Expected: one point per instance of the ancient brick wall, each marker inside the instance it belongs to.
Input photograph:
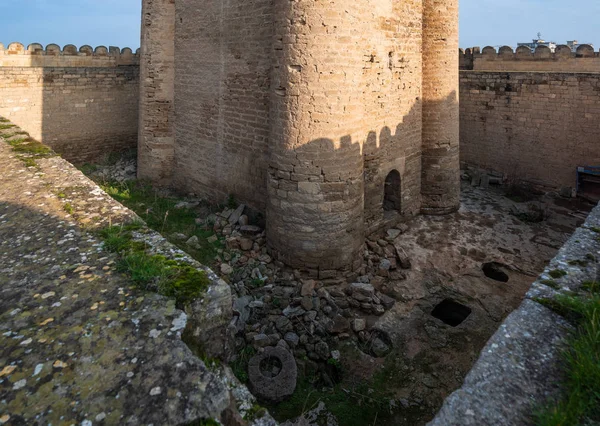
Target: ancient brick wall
(223, 64)
(346, 113)
(83, 103)
(312, 113)
(536, 126)
(156, 145)
(440, 185)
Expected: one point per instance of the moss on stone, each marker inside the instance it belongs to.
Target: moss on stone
(557, 273)
(551, 284)
(167, 277)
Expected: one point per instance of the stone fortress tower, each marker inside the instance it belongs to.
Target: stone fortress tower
(334, 118)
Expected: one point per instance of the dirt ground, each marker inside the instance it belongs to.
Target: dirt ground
(447, 307)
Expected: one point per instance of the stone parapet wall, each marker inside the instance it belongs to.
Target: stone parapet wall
(533, 126)
(563, 59)
(83, 106)
(35, 55)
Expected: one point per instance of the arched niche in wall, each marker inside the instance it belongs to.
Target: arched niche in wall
(392, 197)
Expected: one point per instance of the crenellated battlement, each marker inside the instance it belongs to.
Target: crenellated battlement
(563, 59)
(35, 55)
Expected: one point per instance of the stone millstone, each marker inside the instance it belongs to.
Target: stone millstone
(278, 388)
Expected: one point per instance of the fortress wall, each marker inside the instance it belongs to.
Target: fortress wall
(223, 63)
(156, 145)
(83, 103)
(440, 184)
(347, 79)
(391, 92)
(536, 126)
(524, 59)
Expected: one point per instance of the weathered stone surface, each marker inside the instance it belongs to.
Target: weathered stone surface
(363, 289)
(521, 366)
(518, 369)
(210, 317)
(281, 385)
(77, 341)
(403, 258)
(237, 213)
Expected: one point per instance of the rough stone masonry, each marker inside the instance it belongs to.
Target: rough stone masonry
(332, 118)
(81, 102)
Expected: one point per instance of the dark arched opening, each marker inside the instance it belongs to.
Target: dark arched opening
(391, 198)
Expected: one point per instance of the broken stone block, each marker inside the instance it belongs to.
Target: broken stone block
(403, 258)
(246, 244)
(193, 242)
(237, 213)
(359, 324)
(250, 230)
(308, 287)
(363, 289)
(226, 269)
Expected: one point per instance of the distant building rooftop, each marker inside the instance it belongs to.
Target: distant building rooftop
(536, 42)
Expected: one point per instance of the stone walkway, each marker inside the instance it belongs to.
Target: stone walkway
(79, 345)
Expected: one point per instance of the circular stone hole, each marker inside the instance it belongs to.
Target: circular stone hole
(270, 366)
(451, 312)
(493, 270)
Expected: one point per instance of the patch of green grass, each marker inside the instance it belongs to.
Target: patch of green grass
(551, 284)
(88, 169)
(580, 401)
(582, 263)
(232, 202)
(28, 150)
(160, 214)
(67, 207)
(240, 365)
(4, 126)
(29, 146)
(255, 413)
(595, 229)
(29, 162)
(150, 272)
(256, 283)
(352, 403)
(356, 405)
(557, 273)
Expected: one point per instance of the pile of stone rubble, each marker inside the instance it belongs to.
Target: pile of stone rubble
(278, 306)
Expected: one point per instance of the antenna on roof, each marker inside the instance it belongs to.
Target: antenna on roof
(539, 36)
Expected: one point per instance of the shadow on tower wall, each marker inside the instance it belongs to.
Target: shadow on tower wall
(325, 196)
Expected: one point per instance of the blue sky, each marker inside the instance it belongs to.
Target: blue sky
(117, 22)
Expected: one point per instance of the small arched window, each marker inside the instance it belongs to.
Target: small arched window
(391, 198)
